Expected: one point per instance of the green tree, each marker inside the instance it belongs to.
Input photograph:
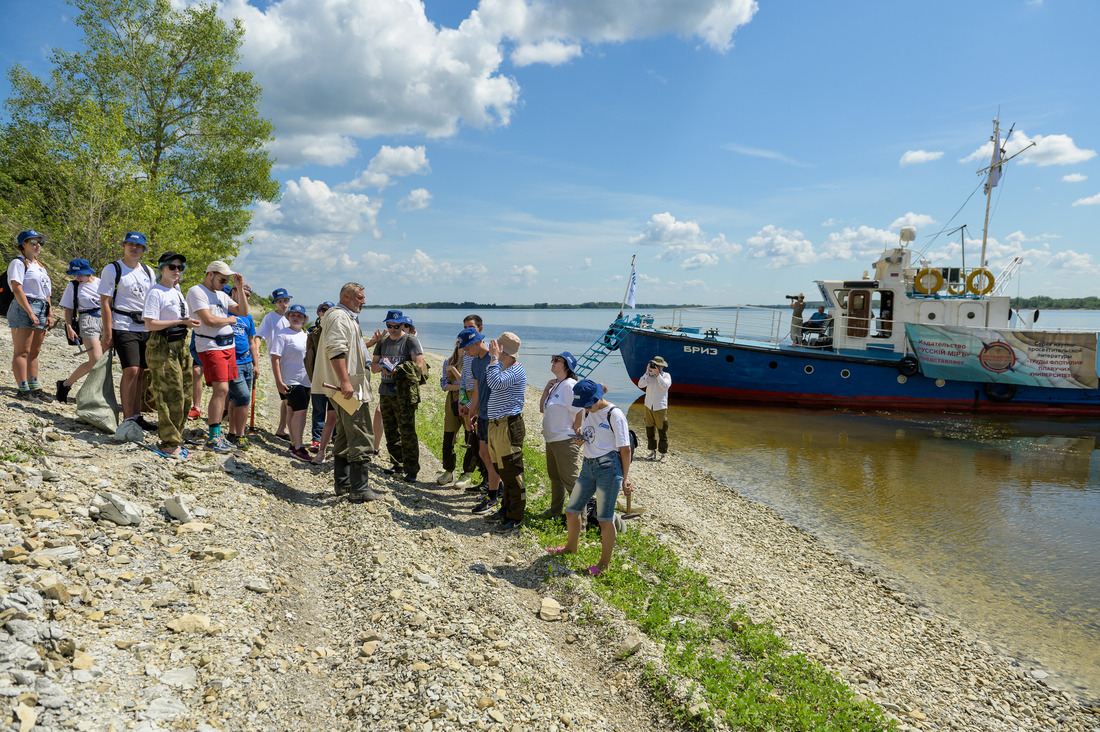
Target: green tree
(149, 127)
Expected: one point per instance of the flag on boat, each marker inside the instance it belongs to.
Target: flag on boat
(995, 164)
(630, 290)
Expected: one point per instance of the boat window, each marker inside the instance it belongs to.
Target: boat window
(882, 302)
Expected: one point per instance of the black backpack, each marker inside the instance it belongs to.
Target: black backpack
(633, 435)
(7, 297)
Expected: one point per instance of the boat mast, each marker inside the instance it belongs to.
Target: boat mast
(994, 176)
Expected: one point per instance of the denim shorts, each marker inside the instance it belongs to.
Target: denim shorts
(601, 477)
(240, 388)
(18, 318)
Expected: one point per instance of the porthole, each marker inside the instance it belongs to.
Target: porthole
(940, 383)
(845, 374)
(773, 365)
(931, 316)
(971, 315)
(729, 359)
(809, 369)
(902, 378)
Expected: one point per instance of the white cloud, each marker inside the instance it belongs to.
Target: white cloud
(829, 222)
(1048, 150)
(417, 199)
(757, 152)
(336, 70)
(1090, 201)
(421, 269)
(1077, 262)
(684, 240)
(525, 275)
(782, 248)
(390, 163)
(861, 243)
(1074, 178)
(310, 206)
(913, 219)
(912, 157)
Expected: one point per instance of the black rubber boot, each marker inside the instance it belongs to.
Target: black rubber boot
(341, 476)
(651, 438)
(360, 477)
(662, 443)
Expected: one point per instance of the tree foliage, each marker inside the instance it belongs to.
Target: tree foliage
(150, 127)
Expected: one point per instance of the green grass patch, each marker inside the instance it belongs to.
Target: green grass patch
(743, 672)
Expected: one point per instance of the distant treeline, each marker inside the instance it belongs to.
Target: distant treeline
(1056, 303)
(537, 306)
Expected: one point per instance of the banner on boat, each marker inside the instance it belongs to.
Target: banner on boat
(1028, 358)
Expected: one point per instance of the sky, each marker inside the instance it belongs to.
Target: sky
(522, 151)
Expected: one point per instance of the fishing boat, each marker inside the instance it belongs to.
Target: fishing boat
(905, 335)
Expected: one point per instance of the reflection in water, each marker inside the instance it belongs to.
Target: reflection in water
(996, 522)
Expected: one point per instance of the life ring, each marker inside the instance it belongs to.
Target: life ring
(937, 277)
(1000, 392)
(908, 366)
(956, 289)
(970, 279)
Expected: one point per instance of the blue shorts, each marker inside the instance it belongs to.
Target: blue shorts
(601, 477)
(194, 354)
(483, 428)
(18, 318)
(240, 388)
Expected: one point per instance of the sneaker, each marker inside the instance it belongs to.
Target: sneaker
(507, 526)
(301, 453)
(661, 457)
(496, 517)
(445, 478)
(219, 444)
(194, 413)
(315, 446)
(409, 477)
(26, 396)
(62, 391)
(486, 506)
(479, 488)
(40, 395)
(652, 455)
(392, 470)
(144, 424)
(238, 441)
(464, 481)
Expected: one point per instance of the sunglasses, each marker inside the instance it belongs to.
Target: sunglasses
(393, 326)
(176, 267)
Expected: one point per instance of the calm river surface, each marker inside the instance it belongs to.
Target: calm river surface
(995, 522)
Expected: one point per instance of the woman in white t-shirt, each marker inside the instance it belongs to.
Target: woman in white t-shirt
(560, 423)
(605, 438)
(82, 308)
(29, 315)
(288, 363)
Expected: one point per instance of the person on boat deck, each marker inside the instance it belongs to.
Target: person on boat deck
(798, 304)
(819, 317)
(656, 383)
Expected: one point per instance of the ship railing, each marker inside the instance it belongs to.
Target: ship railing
(740, 323)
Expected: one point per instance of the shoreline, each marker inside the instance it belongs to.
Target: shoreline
(409, 613)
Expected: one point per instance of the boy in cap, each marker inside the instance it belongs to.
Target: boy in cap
(656, 383)
(606, 449)
(82, 307)
(123, 286)
(398, 410)
(272, 323)
(215, 342)
(507, 381)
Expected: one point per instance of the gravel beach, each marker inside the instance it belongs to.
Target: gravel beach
(236, 593)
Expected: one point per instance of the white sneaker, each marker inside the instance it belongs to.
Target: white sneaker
(464, 481)
(445, 478)
(662, 457)
(652, 455)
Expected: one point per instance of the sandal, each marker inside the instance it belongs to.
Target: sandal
(555, 550)
(595, 570)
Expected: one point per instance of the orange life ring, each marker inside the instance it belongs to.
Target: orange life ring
(937, 278)
(973, 276)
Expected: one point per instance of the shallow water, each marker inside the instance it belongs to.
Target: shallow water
(995, 522)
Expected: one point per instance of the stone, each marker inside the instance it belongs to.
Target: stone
(550, 610)
(186, 677)
(485, 702)
(193, 527)
(50, 695)
(220, 552)
(65, 555)
(178, 508)
(82, 660)
(45, 514)
(496, 716)
(629, 646)
(258, 586)
(163, 709)
(114, 508)
(190, 623)
(424, 579)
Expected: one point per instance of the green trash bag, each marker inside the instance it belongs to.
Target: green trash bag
(95, 402)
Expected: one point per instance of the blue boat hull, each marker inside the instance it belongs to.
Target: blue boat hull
(711, 368)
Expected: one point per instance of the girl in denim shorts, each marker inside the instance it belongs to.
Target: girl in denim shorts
(30, 313)
(606, 451)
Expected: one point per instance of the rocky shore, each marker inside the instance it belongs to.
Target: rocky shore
(236, 593)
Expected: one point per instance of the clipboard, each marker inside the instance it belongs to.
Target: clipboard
(351, 406)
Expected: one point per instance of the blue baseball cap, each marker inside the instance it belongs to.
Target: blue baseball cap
(570, 359)
(280, 294)
(586, 392)
(28, 234)
(228, 289)
(135, 237)
(327, 304)
(297, 309)
(468, 337)
(78, 267)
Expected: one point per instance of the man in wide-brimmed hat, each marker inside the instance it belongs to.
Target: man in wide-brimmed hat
(656, 383)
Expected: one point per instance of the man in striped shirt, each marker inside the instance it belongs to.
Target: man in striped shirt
(507, 383)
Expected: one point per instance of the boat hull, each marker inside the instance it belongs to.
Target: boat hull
(709, 368)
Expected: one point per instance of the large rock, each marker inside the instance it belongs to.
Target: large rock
(117, 509)
(64, 555)
(179, 508)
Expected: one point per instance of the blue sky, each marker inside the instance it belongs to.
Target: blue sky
(517, 151)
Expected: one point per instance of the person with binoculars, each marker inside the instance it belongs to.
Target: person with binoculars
(656, 384)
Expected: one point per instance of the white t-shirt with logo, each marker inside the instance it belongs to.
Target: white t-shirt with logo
(290, 347)
(34, 278)
(133, 286)
(163, 303)
(87, 296)
(559, 412)
(604, 431)
(218, 303)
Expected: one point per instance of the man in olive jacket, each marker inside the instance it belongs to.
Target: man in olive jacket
(342, 362)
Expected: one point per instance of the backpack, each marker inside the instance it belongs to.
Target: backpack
(633, 435)
(135, 316)
(313, 339)
(7, 297)
(75, 320)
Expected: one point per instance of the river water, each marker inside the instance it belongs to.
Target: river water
(992, 521)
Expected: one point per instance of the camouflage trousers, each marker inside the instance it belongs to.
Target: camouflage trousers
(399, 426)
(170, 369)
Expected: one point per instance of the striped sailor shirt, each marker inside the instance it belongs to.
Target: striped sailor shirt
(506, 389)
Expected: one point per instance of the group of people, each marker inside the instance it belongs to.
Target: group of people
(818, 322)
(146, 318)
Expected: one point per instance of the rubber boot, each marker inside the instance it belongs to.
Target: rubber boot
(360, 491)
(650, 438)
(662, 444)
(341, 476)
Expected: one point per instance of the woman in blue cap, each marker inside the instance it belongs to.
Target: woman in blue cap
(83, 321)
(30, 313)
(288, 353)
(559, 425)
